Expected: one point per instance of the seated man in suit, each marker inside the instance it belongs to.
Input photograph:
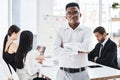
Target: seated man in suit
(105, 51)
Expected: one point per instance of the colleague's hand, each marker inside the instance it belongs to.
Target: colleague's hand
(95, 59)
(79, 52)
(40, 59)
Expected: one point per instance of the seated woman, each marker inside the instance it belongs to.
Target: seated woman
(26, 58)
(9, 46)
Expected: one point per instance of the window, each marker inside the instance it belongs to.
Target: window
(3, 20)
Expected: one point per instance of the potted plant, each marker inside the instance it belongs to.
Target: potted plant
(115, 5)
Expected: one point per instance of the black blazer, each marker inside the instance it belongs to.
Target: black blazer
(108, 54)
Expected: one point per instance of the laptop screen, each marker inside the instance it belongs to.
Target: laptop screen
(41, 49)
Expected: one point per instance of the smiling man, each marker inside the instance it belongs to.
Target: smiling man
(70, 40)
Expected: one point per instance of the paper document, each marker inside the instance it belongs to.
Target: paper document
(49, 62)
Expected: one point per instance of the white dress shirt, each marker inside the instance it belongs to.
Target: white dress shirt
(67, 44)
(31, 66)
(103, 43)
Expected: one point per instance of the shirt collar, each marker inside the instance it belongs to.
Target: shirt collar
(103, 43)
(79, 27)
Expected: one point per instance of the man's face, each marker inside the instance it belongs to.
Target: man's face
(100, 37)
(73, 15)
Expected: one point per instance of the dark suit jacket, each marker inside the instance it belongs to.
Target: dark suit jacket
(108, 54)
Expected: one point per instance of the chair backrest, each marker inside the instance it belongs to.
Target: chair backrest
(14, 74)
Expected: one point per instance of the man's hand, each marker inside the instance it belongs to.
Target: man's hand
(40, 59)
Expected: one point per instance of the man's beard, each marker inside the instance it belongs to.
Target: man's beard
(101, 41)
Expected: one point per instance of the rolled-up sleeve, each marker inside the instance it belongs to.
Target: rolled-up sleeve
(31, 64)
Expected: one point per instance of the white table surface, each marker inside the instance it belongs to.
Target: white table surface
(99, 73)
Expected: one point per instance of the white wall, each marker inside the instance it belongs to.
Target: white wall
(45, 8)
(28, 17)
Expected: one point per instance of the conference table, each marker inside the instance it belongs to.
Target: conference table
(95, 71)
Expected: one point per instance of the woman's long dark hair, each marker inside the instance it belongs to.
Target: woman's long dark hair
(25, 45)
(13, 28)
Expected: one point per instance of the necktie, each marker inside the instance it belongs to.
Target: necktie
(100, 51)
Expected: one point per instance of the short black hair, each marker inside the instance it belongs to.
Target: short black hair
(72, 4)
(100, 30)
